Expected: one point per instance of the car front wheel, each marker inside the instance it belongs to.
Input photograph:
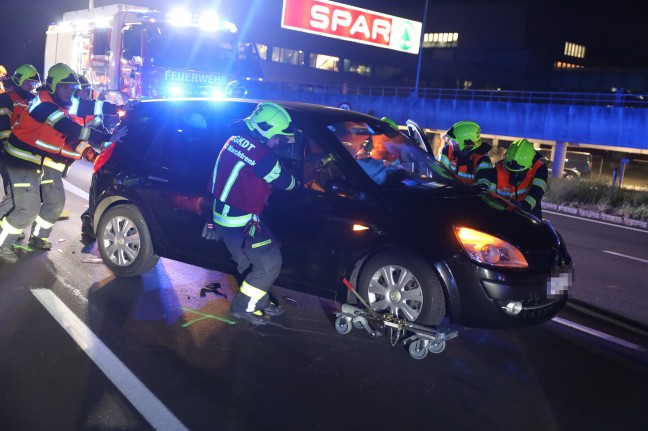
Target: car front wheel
(125, 242)
(403, 285)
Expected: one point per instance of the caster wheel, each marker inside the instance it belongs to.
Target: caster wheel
(436, 347)
(418, 349)
(342, 325)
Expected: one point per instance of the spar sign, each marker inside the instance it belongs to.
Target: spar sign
(340, 21)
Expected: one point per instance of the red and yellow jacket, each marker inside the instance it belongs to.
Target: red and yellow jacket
(12, 104)
(45, 133)
(244, 172)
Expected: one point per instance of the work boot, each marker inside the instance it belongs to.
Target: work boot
(273, 310)
(8, 255)
(41, 243)
(256, 318)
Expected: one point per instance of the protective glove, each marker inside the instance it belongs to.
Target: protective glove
(208, 232)
(89, 154)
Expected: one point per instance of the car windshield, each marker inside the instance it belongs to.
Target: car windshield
(388, 156)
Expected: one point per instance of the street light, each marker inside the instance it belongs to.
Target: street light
(420, 58)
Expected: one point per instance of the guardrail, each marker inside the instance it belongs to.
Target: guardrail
(629, 100)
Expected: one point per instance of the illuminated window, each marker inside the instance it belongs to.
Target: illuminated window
(324, 62)
(289, 56)
(262, 50)
(574, 50)
(565, 65)
(355, 67)
(440, 40)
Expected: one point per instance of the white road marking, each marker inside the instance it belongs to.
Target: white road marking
(599, 334)
(140, 397)
(625, 255)
(595, 221)
(74, 189)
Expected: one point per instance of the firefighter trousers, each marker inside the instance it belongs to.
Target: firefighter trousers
(261, 257)
(36, 196)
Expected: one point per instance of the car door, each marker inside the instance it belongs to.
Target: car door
(179, 177)
(315, 223)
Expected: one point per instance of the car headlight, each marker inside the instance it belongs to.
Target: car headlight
(485, 248)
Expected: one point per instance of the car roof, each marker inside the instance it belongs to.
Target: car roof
(327, 113)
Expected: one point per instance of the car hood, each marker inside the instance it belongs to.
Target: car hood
(473, 208)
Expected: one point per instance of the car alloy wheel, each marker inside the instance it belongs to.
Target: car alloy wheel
(124, 241)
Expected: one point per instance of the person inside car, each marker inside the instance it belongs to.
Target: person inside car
(465, 154)
(521, 176)
(245, 170)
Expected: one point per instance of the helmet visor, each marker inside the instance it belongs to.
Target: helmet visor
(514, 166)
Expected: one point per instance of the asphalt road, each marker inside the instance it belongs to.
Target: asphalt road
(611, 265)
(83, 350)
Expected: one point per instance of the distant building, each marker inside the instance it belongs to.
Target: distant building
(514, 45)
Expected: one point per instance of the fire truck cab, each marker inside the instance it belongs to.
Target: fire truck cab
(145, 53)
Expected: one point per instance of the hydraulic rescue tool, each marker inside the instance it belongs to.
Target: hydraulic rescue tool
(421, 339)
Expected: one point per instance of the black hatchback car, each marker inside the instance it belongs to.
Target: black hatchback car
(372, 207)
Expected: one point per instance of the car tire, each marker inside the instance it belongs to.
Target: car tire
(402, 284)
(124, 241)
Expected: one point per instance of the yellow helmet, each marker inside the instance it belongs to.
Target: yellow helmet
(61, 73)
(464, 136)
(519, 156)
(25, 72)
(270, 119)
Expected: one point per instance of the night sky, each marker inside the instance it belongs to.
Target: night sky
(617, 35)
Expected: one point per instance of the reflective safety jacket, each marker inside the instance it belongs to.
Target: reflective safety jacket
(12, 104)
(45, 134)
(529, 191)
(475, 171)
(244, 172)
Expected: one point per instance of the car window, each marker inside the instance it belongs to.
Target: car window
(193, 135)
(389, 157)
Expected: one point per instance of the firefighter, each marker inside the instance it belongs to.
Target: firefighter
(521, 176)
(42, 145)
(465, 154)
(12, 103)
(245, 171)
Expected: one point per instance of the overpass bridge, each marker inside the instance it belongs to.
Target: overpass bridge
(606, 121)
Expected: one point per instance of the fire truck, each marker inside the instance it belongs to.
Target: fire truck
(145, 53)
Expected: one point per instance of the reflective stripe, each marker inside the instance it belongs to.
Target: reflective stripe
(483, 165)
(293, 183)
(85, 133)
(54, 118)
(43, 223)
(54, 165)
(7, 229)
(34, 103)
(444, 159)
(5, 225)
(5, 111)
(98, 108)
(262, 243)
(253, 293)
(46, 146)
(70, 154)
(21, 185)
(231, 180)
(5, 134)
(82, 147)
(531, 201)
(227, 221)
(74, 108)
(274, 173)
(47, 182)
(22, 154)
(540, 183)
